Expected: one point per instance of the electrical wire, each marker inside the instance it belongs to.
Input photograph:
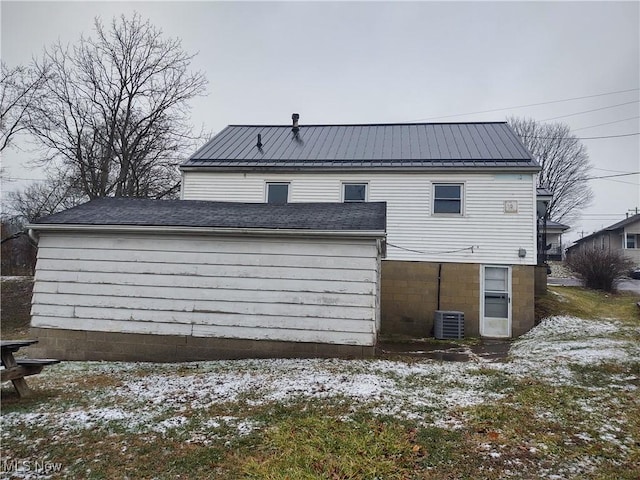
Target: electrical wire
(472, 247)
(589, 111)
(607, 123)
(524, 106)
(610, 176)
(584, 138)
(607, 170)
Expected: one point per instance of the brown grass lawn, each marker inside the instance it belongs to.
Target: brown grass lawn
(564, 406)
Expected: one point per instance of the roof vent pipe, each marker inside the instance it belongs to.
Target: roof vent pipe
(259, 144)
(295, 117)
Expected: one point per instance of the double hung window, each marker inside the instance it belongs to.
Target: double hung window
(447, 198)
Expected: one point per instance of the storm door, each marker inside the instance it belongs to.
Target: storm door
(496, 302)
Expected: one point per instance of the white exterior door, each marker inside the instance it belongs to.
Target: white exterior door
(495, 301)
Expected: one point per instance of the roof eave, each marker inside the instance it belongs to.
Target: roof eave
(225, 231)
(363, 168)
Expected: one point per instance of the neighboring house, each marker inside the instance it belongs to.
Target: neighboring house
(554, 239)
(461, 207)
(623, 236)
(170, 280)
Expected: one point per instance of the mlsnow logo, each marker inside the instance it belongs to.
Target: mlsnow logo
(34, 466)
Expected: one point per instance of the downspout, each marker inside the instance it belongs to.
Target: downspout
(33, 236)
(439, 283)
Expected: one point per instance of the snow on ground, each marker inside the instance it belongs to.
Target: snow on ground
(161, 399)
(550, 350)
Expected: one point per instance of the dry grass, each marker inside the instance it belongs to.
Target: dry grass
(528, 425)
(593, 304)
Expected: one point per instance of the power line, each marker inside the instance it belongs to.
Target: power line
(471, 248)
(524, 106)
(582, 138)
(607, 123)
(589, 111)
(621, 181)
(611, 176)
(12, 179)
(609, 136)
(607, 170)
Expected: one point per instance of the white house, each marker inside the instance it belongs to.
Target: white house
(167, 280)
(461, 207)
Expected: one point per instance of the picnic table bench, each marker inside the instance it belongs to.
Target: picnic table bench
(16, 369)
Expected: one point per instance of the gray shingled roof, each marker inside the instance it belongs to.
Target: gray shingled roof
(557, 225)
(381, 146)
(369, 216)
(624, 223)
(610, 228)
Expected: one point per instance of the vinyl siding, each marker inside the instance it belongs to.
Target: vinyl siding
(495, 235)
(299, 290)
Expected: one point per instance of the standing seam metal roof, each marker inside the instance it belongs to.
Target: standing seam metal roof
(368, 145)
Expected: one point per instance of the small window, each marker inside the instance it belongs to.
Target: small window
(632, 241)
(277, 193)
(355, 192)
(447, 198)
(602, 243)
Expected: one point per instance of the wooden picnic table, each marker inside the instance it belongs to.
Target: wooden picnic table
(16, 369)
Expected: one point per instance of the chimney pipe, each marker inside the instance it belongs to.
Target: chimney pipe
(259, 144)
(295, 117)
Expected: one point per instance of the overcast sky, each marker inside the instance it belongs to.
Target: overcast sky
(375, 62)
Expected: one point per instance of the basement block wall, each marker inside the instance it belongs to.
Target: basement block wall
(132, 347)
(409, 296)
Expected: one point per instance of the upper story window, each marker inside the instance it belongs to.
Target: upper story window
(277, 192)
(632, 240)
(354, 192)
(447, 198)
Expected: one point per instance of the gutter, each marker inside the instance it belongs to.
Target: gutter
(32, 234)
(307, 169)
(225, 231)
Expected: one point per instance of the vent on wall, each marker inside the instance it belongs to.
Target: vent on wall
(448, 325)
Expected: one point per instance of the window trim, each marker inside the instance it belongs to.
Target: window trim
(635, 241)
(267, 184)
(433, 199)
(350, 182)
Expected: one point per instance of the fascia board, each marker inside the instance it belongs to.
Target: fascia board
(257, 232)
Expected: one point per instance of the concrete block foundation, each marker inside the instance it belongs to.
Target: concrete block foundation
(133, 347)
(409, 296)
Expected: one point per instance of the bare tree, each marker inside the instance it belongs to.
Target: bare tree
(565, 165)
(115, 110)
(44, 198)
(19, 89)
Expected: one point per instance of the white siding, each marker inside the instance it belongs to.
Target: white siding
(495, 235)
(302, 290)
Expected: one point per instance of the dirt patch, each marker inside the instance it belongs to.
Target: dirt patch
(15, 308)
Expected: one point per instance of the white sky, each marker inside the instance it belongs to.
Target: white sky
(368, 62)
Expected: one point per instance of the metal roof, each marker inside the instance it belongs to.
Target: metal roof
(377, 146)
(370, 216)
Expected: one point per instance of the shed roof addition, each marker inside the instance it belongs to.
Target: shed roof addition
(370, 216)
(371, 146)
